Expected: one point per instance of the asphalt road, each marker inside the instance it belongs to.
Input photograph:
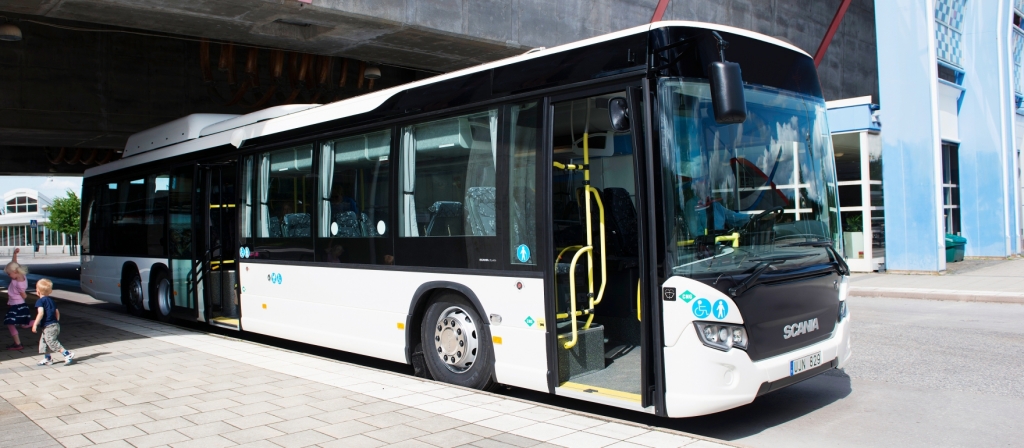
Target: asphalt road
(923, 373)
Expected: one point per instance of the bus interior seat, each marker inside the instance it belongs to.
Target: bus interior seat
(274, 225)
(348, 225)
(480, 212)
(445, 219)
(369, 229)
(296, 225)
(620, 222)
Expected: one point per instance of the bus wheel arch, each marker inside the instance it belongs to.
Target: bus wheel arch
(430, 302)
(132, 294)
(160, 292)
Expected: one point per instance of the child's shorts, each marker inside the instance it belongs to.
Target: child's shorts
(18, 315)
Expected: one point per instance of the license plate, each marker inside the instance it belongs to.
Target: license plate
(807, 362)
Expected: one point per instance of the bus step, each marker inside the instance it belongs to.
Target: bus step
(225, 322)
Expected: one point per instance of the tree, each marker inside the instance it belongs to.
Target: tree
(66, 217)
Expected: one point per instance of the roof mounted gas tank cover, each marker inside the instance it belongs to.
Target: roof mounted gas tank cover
(177, 131)
(247, 119)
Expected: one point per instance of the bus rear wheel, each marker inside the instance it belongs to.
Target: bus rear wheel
(455, 348)
(131, 294)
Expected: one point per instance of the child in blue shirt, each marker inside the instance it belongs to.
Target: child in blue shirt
(47, 318)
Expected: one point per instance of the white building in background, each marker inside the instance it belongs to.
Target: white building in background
(20, 207)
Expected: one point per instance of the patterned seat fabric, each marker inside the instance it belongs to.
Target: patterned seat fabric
(348, 225)
(480, 212)
(369, 228)
(274, 225)
(296, 225)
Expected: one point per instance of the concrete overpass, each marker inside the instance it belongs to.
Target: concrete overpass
(88, 73)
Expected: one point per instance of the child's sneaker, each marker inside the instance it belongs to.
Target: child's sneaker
(15, 347)
(69, 359)
(45, 362)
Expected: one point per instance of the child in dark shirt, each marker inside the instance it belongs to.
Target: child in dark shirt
(47, 318)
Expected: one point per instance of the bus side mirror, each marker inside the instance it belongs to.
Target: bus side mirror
(727, 92)
(618, 113)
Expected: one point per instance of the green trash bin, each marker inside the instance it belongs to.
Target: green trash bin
(955, 248)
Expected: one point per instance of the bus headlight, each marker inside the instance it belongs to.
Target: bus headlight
(842, 311)
(722, 336)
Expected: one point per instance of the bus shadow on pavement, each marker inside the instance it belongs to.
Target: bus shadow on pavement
(768, 411)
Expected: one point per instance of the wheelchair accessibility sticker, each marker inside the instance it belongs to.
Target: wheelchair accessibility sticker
(701, 308)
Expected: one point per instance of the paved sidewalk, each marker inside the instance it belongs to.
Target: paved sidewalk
(143, 384)
(971, 280)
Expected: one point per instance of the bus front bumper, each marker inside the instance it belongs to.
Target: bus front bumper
(702, 380)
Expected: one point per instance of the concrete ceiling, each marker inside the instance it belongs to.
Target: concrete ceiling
(430, 34)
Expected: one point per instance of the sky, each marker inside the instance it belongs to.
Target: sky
(52, 186)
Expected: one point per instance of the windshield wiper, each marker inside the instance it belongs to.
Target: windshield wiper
(841, 266)
(763, 264)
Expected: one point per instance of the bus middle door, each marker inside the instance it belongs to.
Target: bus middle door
(218, 253)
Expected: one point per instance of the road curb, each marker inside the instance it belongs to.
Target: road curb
(938, 294)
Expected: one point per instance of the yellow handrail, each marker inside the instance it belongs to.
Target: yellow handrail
(595, 300)
(572, 295)
(734, 237)
(557, 259)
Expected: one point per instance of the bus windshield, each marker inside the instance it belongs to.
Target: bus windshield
(739, 194)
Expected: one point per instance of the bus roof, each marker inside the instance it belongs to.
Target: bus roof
(198, 132)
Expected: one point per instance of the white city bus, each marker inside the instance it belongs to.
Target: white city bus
(630, 219)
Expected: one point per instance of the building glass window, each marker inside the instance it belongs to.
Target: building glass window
(858, 158)
(951, 187)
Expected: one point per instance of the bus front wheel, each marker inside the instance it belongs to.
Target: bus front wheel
(455, 348)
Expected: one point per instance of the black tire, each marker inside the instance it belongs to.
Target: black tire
(131, 293)
(447, 315)
(161, 296)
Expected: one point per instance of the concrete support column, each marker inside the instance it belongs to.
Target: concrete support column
(911, 151)
(988, 217)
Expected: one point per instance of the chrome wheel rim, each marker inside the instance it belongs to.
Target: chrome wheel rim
(164, 297)
(456, 339)
(135, 293)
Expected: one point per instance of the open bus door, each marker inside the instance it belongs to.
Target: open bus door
(603, 345)
(216, 262)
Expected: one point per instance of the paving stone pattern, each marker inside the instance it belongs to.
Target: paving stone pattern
(143, 384)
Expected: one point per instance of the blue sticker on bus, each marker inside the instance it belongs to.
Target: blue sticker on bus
(721, 309)
(701, 308)
(523, 253)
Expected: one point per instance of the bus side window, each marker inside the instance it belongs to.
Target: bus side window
(354, 186)
(522, 185)
(285, 193)
(447, 177)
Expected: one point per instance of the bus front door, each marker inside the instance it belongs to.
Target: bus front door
(599, 338)
(218, 227)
